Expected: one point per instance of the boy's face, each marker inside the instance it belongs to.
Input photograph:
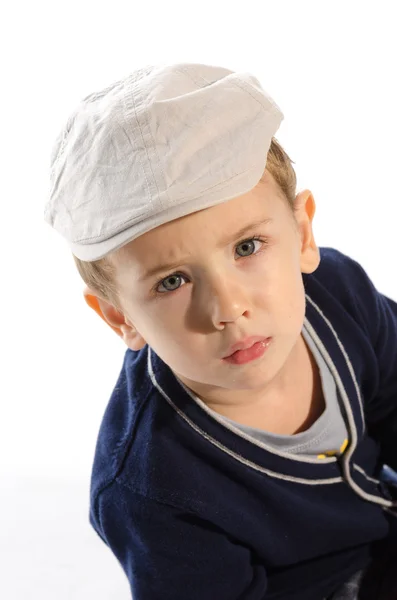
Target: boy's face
(221, 292)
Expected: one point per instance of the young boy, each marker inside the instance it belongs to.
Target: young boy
(241, 452)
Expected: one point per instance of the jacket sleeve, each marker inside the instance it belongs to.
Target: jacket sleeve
(383, 421)
(380, 317)
(170, 553)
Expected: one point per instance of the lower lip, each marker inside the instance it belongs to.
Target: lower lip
(244, 356)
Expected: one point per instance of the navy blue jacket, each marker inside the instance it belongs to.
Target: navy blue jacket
(194, 511)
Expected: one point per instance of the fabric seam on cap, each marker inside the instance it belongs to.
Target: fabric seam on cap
(241, 85)
(195, 80)
(154, 146)
(269, 107)
(134, 106)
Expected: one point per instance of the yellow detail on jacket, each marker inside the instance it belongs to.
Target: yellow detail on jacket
(333, 452)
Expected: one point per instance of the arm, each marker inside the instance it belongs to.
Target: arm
(380, 317)
(382, 423)
(170, 553)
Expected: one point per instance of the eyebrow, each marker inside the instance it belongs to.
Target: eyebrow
(224, 242)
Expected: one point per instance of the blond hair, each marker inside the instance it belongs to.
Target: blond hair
(98, 275)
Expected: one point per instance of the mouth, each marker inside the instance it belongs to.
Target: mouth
(245, 344)
(246, 355)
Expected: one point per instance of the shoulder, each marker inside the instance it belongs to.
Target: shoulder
(120, 419)
(341, 279)
(336, 267)
(139, 436)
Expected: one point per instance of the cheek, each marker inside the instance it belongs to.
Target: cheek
(164, 330)
(284, 297)
(295, 305)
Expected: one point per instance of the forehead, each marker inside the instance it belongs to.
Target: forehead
(182, 237)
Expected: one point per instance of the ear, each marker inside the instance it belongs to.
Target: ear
(93, 302)
(115, 319)
(305, 209)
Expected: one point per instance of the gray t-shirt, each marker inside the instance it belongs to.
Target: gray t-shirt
(326, 435)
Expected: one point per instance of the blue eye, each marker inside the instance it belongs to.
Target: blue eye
(176, 277)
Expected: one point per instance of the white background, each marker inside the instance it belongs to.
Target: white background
(330, 66)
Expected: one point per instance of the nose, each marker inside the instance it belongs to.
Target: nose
(227, 300)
